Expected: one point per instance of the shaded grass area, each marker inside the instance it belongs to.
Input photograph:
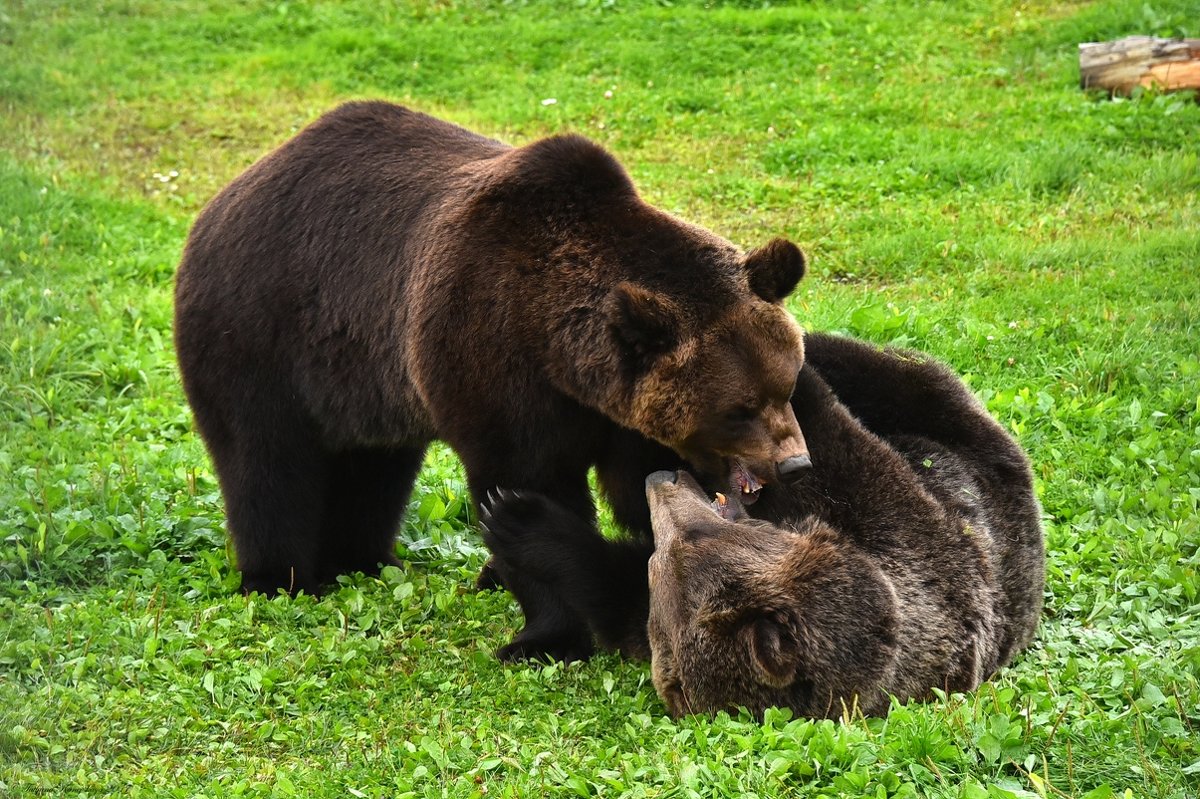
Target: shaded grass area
(957, 193)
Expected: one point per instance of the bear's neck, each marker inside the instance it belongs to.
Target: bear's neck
(583, 361)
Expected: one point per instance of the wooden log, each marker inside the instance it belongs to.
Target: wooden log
(1121, 66)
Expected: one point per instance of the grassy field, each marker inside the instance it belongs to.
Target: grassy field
(956, 192)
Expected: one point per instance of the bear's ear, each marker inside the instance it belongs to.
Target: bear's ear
(642, 320)
(774, 644)
(771, 638)
(774, 269)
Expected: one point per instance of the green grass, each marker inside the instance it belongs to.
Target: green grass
(957, 193)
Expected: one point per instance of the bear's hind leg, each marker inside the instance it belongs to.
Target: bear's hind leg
(368, 490)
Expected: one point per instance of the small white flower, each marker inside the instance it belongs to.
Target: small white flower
(550, 101)
(608, 95)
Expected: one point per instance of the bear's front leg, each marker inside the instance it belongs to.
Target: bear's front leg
(603, 582)
(553, 629)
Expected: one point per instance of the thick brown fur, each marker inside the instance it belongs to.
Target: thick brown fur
(909, 557)
(385, 278)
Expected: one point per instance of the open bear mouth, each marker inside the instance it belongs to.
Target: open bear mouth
(724, 507)
(744, 482)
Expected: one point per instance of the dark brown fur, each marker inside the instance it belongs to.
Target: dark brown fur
(909, 557)
(384, 279)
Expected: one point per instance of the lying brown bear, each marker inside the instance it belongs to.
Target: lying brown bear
(385, 278)
(909, 557)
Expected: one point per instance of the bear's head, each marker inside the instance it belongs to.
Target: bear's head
(747, 614)
(716, 387)
(664, 327)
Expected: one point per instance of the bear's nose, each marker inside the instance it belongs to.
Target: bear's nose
(658, 478)
(791, 469)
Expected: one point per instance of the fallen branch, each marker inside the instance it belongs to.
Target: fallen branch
(1123, 65)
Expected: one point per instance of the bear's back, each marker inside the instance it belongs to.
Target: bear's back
(959, 453)
(358, 179)
(300, 268)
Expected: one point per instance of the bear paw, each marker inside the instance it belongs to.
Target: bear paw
(532, 534)
(276, 582)
(508, 513)
(562, 646)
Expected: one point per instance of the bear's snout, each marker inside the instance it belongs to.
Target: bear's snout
(791, 469)
(660, 477)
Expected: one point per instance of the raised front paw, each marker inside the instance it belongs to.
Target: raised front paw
(530, 533)
(508, 516)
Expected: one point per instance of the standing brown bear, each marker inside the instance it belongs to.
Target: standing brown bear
(385, 278)
(909, 557)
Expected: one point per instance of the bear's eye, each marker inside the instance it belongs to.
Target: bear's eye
(787, 398)
(741, 414)
(699, 533)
